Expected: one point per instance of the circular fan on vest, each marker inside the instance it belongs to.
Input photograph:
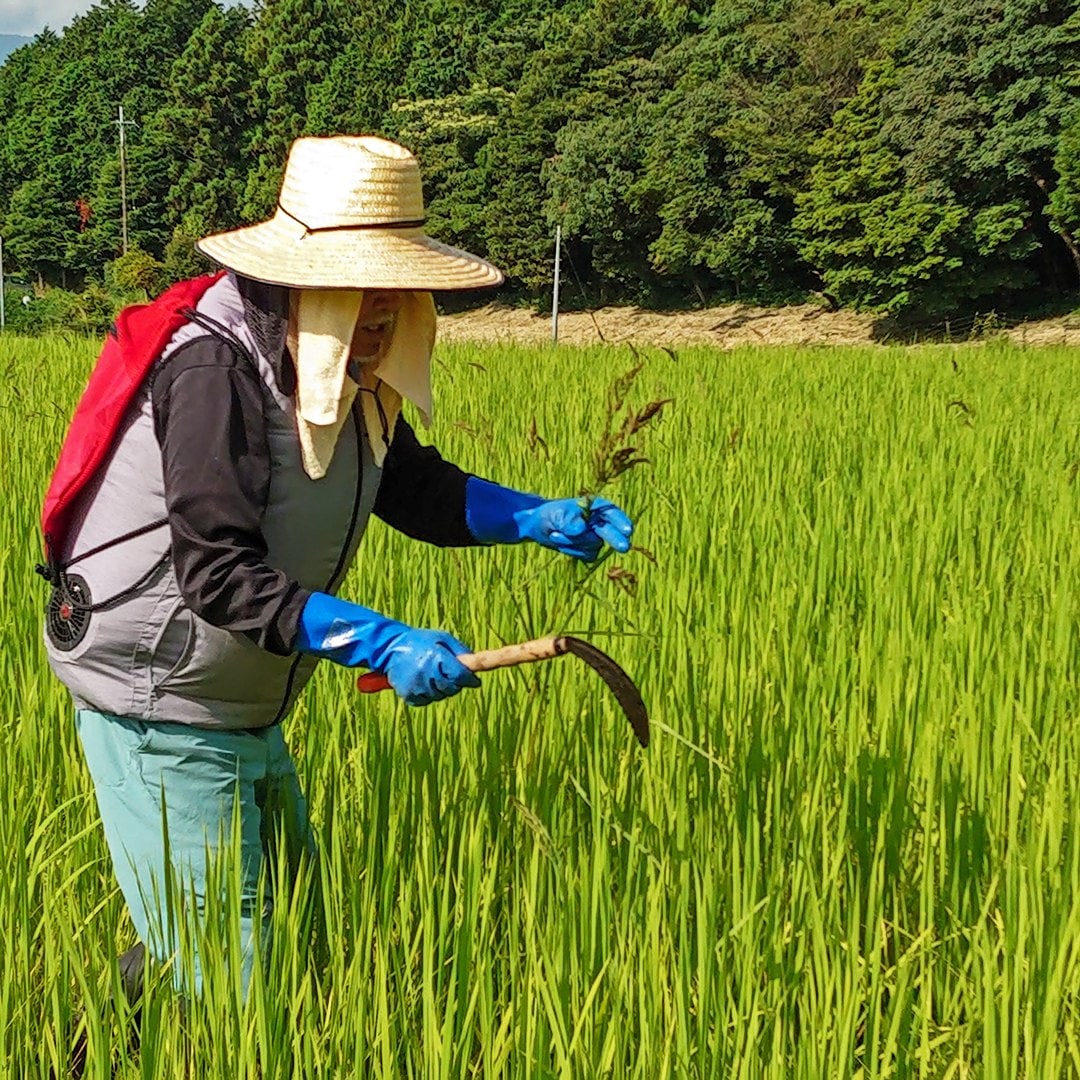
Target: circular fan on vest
(68, 615)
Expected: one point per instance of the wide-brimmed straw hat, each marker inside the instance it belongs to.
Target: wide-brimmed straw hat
(350, 216)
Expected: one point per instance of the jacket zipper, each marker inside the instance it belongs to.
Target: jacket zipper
(344, 554)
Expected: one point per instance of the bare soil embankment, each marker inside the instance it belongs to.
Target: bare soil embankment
(726, 327)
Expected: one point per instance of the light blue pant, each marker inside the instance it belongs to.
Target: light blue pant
(197, 777)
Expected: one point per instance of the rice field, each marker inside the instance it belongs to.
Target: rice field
(850, 851)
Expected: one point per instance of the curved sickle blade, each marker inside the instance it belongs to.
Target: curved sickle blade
(622, 686)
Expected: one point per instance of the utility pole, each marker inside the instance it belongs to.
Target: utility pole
(123, 125)
(555, 294)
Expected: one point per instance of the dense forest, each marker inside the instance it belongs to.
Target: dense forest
(893, 157)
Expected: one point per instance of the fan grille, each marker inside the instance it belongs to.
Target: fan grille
(68, 614)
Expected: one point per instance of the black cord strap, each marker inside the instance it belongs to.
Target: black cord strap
(222, 332)
(415, 224)
(384, 420)
(131, 590)
(54, 571)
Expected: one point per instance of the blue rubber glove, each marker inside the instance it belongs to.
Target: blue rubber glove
(498, 515)
(421, 665)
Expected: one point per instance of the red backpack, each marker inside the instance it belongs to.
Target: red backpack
(133, 345)
(135, 341)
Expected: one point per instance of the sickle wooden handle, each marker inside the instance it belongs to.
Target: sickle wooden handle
(527, 652)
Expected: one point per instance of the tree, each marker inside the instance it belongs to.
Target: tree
(557, 87)
(136, 272)
(181, 259)
(167, 29)
(903, 157)
(289, 52)
(687, 167)
(365, 74)
(199, 129)
(1064, 203)
(24, 79)
(448, 135)
(875, 242)
(63, 132)
(595, 180)
(36, 227)
(1002, 76)
(931, 188)
(102, 66)
(749, 96)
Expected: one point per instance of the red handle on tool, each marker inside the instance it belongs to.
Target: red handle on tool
(488, 660)
(372, 683)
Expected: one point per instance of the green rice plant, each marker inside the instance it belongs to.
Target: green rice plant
(850, 851)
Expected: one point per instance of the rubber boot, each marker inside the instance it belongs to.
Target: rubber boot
(131, 964)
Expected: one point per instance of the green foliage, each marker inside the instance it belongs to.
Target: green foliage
(199, 130)
(448, 135)
(365, 70)
(38, 224)
(596, 179)
(181, 260)
(784, 75)
(289, 50)
(903, 159)
(136, 272)
(1064, 205)
(686, 167)
(60, 311)
(850, 850)
(874, 242)
(931, 187)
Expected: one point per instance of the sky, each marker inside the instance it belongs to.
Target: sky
(30, 17)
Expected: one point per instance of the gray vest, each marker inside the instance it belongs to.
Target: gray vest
(146, 654)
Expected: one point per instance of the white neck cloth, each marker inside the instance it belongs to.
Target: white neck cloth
(321, 326)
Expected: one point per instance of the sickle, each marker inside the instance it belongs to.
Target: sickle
(622, 686)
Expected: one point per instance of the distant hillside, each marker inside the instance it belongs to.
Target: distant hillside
(9, 43)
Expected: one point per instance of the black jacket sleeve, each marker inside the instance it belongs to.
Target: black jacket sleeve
(208, 417)
(422, 495)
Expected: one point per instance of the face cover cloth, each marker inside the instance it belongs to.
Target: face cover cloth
(321, 326)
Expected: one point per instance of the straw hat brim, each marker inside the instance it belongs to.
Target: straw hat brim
(281, 251)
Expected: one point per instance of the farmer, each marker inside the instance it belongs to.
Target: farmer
(196, 591)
